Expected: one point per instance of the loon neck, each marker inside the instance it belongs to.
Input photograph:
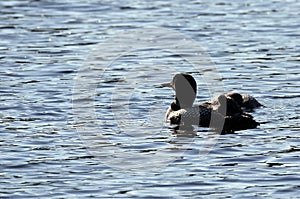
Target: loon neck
(176, 105)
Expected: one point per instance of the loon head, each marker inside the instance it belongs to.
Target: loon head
(185, 88)
(237, 97)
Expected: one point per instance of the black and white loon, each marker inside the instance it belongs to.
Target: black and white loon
(224, 113)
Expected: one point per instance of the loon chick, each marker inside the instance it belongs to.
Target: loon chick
(228, 117)
(235, 102)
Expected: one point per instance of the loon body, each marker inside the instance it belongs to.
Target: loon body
(224, 112)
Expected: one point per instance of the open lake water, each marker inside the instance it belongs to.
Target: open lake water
(82, 113)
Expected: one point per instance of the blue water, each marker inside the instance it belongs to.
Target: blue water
(82, 114)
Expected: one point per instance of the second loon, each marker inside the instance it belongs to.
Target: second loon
(223, 113)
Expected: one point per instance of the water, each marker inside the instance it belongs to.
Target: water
(71, 127)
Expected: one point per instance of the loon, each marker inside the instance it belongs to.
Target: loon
(246, 102)
(224, 113)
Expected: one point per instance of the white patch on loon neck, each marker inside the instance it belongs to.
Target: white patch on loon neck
(185, 106)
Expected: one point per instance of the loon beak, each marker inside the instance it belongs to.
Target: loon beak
(169, 84)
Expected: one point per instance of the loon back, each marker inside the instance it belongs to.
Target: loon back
(249, 102)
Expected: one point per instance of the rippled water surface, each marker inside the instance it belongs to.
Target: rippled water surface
(82, 114)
